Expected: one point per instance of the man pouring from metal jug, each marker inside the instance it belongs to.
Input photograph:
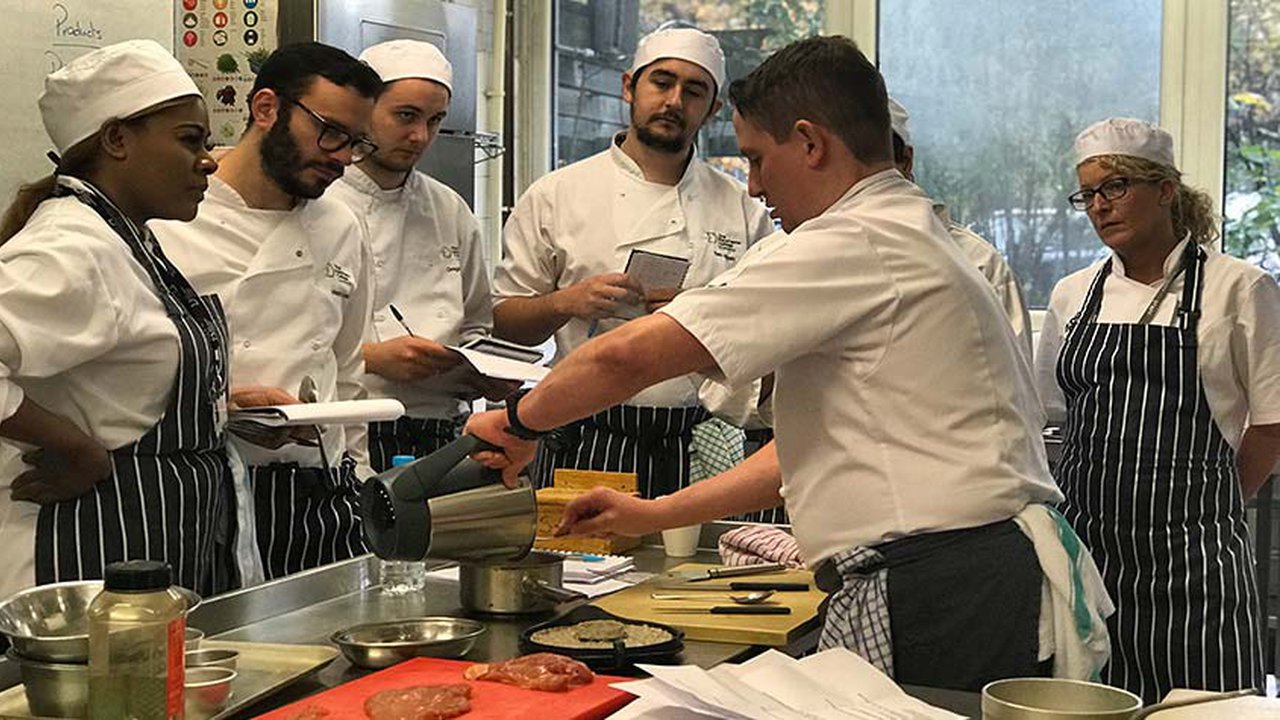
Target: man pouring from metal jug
(908, 429)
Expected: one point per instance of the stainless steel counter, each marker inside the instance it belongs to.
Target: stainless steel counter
(308, 607)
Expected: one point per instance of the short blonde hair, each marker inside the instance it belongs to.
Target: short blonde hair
(1192, 209)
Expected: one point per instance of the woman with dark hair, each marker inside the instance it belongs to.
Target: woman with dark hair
(112, 369)
(1164, 362)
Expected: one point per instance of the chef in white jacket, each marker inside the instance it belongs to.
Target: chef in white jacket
(568, 241)
(112, 369)
(428, 258)
(977, 249)
(908, 425)
(291, 268)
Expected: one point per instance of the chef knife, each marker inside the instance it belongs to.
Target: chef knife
(720, 572)
(735, 585)
(733, 610)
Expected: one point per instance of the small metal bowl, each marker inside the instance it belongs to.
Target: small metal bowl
(212, 657)
(51, 622)
(379, 645)
(207, 691)
(192, 639)
(53, 689)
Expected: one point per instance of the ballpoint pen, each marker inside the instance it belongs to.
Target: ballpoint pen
(400, 319)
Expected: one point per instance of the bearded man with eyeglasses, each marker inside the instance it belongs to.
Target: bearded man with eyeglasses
(292, 271)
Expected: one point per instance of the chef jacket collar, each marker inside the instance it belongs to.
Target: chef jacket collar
(360, 180)
(867, 185)
(1170, 260)
(628, 165)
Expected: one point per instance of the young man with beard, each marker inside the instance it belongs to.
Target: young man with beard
(292, 271)
(570, 236)
(428, 259)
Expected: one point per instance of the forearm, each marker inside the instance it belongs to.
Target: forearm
(35, 425)
(528, 320)
(752, 485)
(1259, 450)
(612, 368)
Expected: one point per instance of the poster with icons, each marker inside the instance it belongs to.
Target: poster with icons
(222, 43)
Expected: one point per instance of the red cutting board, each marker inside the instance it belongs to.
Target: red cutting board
(488, 699)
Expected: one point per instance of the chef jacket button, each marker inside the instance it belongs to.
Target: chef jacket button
(298, 253)
(380, 263)
(316, 344)
(247, 343)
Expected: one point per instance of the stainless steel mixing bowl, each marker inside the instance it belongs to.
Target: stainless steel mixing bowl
(378, 645)
(51, 622)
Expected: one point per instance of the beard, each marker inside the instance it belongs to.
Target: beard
(282, 161)
(672, 144)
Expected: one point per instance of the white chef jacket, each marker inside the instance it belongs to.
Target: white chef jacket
(428, 261)
(585, 219)
(84, 335)
(902, 403)
(1238, 334)
(296, 288)
(993, 267)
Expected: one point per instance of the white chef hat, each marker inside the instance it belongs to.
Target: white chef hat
(400, 59)
(687, 44)
(115, 81)
(1125, 136)
(898, 116)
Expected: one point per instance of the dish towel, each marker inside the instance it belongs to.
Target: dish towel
(753, 544)
(1074, 605)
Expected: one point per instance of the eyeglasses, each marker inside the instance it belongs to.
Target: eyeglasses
(1111, 190)
(333, 138)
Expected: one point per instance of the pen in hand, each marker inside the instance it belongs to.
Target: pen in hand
(400, 319)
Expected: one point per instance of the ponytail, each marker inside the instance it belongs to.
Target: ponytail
(78, 161)
(1193, 215)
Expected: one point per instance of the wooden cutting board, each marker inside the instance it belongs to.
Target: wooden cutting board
(490, 700)
(773, 630)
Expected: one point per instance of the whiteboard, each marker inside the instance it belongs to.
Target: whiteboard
(40, 36)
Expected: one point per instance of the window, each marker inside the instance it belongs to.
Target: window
(997, 91)
(596, 39)
(1252, 205)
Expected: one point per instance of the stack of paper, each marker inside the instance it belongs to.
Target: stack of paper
(834, 683)
(591, 569)
(596, 587)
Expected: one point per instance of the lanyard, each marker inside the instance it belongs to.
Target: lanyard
(1150, 312)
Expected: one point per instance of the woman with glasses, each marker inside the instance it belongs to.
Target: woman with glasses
(113, 376)
(1163, 363)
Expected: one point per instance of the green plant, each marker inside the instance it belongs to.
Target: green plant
(227, 63)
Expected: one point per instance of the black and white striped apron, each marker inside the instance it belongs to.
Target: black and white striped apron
(170, 494)
(1152, 489)
(652, 442)
(305, 517)
(409, 436)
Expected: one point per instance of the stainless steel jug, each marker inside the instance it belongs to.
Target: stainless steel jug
(448, 506)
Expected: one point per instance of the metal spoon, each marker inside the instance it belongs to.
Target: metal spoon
(752, 598)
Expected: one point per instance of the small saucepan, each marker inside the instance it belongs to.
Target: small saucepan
(532, 584)
(1061, 699)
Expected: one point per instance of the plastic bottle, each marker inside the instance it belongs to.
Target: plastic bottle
(136, 629)
(401, 577)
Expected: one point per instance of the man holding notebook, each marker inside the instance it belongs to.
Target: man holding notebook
(593, 244)
(431, 286)
(291, 268)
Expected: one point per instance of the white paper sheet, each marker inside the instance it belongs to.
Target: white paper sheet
(834, 684)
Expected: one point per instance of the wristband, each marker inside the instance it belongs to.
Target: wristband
(514, 426)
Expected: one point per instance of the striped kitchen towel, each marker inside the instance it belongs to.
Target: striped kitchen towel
(751, 544)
